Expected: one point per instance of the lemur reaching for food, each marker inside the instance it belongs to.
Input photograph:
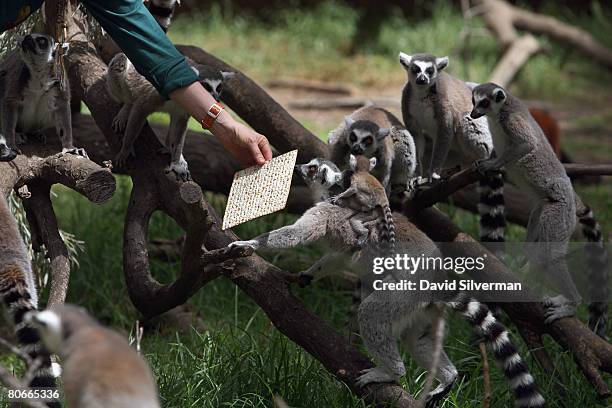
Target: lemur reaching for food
(140, 99)
(33, 97)
(384, 314)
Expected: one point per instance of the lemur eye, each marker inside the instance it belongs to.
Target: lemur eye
(368, 140)
(352, 137)
(42, 42)
(429, 71)
(415, 69)
(484, 103)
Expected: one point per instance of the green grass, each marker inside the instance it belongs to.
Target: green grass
(241, 360)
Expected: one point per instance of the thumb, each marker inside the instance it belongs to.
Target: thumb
(256, 153)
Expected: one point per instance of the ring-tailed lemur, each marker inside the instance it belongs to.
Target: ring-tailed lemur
(375, 132)
(163, 11)
(32, 98)
(140, 99)
(365, 194)
(435, 108)
(531, 164)
(382, 314)
(18, 293)
(100, 369)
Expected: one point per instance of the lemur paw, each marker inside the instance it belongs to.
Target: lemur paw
(77, 151)
(119, 124)
(180, 170)
(374, 375)
(557, 308)
(244, 244)
(7, 153)
(437, 395)
(485, 167)
(304, 279)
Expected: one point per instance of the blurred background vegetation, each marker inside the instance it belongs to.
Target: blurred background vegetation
(238, 359)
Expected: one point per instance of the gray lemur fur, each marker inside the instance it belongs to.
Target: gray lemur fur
(33, 98)
(18, 293)
(99, 368)
(435, 109)
(375, 132)
(140, 99)
(530, 164)
(385, 314)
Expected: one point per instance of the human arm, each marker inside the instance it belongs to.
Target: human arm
(137, 33)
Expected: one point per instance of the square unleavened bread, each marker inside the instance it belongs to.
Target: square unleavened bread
(259, 190)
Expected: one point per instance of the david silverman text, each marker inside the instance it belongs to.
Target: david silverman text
(465, 284)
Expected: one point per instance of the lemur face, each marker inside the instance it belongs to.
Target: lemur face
(49, 326)
(36, 49)
(320, 172)
(363, 137)
(212, 79)
(422, 68)
(487, 100)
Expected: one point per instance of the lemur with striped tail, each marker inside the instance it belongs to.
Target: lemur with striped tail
(100, 369)
(385, 314)
(435, 109)
(531, 164)
(19, 295)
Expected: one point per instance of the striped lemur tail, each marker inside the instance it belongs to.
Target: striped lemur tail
(387, 229)
(18, 293)
(163, 11)
(498, 340)
(597, 264)
(491, 208)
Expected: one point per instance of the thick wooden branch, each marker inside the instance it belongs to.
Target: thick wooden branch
(516, 55)
(503, 19)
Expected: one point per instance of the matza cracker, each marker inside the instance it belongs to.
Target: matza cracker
(259, 190)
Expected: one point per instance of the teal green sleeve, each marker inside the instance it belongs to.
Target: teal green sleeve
(137, 33)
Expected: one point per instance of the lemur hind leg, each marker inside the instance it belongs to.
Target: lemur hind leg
(175, 141)
(551, 224)
(421, 344)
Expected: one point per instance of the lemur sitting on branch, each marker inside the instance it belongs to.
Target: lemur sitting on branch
(140, 99)
(386, 315)
(33, 97)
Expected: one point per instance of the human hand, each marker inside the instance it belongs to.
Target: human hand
(248, 146)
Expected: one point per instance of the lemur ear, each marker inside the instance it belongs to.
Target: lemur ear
(405, 59)
(382, 133)
(499, 94)
(372, 163)
(348, 121)
(227, 75)
(441, 63)
(353, 162)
